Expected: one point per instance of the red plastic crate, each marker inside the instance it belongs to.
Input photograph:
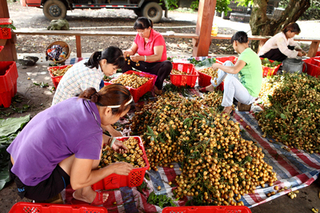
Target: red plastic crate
(56, 79)
(318, 53)
(8, 82)
(5, 33)
(203, 79)
(269, 71)
(143, 89)
(135, 177)
(211, 209)
(25, 207)
(221, 60)
(313, 66)
(183, 80)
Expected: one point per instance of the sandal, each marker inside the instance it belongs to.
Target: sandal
(98, 200)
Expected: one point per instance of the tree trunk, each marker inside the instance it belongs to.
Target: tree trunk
(262, 25)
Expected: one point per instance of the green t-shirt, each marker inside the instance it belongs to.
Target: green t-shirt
(251, 73)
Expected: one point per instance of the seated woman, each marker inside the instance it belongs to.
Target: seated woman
(151, 53)
(90, 73)
(242, 80)
(62, 145)
(282, 45)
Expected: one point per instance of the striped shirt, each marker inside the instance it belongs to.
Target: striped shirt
(77, 79)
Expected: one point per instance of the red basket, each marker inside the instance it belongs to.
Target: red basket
(269, 71)
(221, 60)
(211, 209)
(313, 66)
(135, 177)
(143, 89)
(25, 207)
(318, 53)
(183, 80)
(8, 82)
(203, 79)
(56, 79)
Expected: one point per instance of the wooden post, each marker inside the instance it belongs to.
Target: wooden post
(78, 45)
(204, 26)
(9, 52)
(313, 48)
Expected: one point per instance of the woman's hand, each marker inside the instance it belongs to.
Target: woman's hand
(120, 168)
(127, 53)
(136, 58)
(216, 66)
(119, 147)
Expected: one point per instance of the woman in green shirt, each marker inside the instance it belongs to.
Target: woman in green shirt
(243, 79)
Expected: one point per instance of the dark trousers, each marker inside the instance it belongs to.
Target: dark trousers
(276, 54)
(160, 69)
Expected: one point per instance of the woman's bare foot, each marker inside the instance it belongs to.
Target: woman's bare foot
(210, 88)
(89, 197)
(157, 91)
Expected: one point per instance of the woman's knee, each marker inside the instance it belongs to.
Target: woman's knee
(167, 65)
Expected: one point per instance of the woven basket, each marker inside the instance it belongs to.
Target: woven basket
(62, 44)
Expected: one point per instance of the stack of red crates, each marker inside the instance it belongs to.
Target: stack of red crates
(8, 82)
(313, 66)
(5, 33)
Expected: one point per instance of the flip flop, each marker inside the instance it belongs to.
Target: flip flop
(98, 200)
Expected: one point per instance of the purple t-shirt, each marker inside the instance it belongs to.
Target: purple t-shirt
(56, 133)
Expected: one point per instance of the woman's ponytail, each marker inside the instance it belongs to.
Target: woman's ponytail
(94, 60)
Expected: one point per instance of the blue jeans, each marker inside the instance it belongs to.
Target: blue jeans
(232, 87)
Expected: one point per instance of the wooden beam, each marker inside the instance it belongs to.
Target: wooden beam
(78, 45)
(204, 26)
(9, 51)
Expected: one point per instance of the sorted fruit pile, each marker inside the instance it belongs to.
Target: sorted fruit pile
(210, 71)
(131, 80)
(267, 63)
(60, 72)
(218, 166)
(268, 86)
(178, 72)
(134, 156)
(293, 115)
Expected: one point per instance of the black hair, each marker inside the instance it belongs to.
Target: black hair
(113, 55)
(110, 95)
(240, 36)
(293, 27)
(142, 23)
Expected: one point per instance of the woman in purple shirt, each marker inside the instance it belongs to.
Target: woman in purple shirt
(62, 145)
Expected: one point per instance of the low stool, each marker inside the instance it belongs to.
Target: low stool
(244, 107)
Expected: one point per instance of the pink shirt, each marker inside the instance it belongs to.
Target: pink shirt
(155, 39)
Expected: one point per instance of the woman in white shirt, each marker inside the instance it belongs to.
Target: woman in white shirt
(282, 45)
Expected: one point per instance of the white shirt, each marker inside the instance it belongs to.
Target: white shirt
(77, 79)
(279, 41)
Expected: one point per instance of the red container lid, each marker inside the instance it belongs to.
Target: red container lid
(5, 21)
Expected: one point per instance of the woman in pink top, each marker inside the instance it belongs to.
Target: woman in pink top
(149, 49)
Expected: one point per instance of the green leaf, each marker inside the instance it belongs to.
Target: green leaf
(12, 125)
(283, 116)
